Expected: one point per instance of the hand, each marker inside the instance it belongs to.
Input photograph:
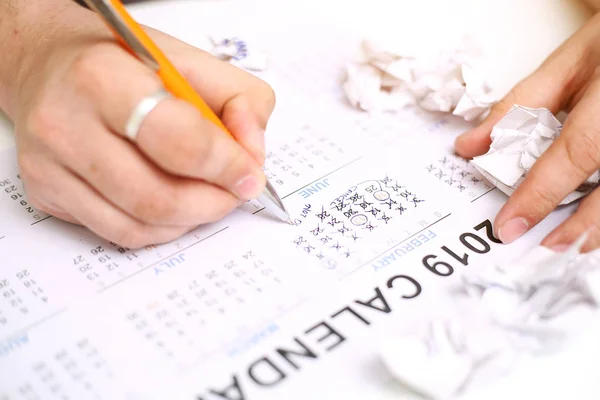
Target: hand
(568, 80)
(70, 109)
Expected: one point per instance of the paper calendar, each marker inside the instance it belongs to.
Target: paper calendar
(248, 307)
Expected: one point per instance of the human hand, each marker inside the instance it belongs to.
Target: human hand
(568, 80)
(70, 107)
(593, 4)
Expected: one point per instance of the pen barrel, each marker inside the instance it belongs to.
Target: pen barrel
(176, 84)
(172, 79)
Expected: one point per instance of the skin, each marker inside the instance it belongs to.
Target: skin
(593, 4)
(568, 80)
(69, 89)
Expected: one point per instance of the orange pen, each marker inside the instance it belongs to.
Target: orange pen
(133, 38)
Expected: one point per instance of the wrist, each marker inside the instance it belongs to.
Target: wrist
(26, 33)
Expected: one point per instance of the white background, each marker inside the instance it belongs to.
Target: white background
(517, 36)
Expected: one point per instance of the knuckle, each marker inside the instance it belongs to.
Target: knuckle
(212, 167)
(184, 156)
(29, 169)
(583, 153)
(44, 123)
(267, 93)
(156, 208)
(88, 68)
(238, 167)
(191, 152)
(544, 201)
(263, 94)
(88, 61)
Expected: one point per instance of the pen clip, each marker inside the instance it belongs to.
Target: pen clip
(105, 9)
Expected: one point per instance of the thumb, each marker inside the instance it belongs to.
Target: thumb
(551, 86)
(247, 123)
(541, 89)
(244, 104)
(243, 101)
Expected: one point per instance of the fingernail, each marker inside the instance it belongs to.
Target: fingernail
(464, 135)
(559, 248)
(249, 187)
(512, 230)
(460, 141)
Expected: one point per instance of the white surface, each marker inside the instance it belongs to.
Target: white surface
(517, 35)
(503, 314)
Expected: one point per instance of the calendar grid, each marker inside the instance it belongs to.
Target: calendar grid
(40, 220)
(208, 356)
(162, 259)
(311, 183)
(324, 176)
(394, 246)
(35, 324)
(483, 194)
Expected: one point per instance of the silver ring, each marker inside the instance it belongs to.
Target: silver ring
(141, 111)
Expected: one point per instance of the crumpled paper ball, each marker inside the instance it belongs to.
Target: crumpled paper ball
(388, 78)
(496, 316)
(518, 140)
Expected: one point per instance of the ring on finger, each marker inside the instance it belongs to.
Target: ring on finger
(141, 111)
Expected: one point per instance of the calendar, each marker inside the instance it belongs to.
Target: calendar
(249, 307)
(17, 210)
(341, 226)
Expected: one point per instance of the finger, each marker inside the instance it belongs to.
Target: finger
(537, 91)
(36, 191)
(567, 163)
(585, 220)
(246, 126)
(119, 172)
(245, 113)
(110, 223)
(194, 147)
(551, 86)
(90, 209)
(244, 102)
(53, 210)
(206, 73)
(174, 135)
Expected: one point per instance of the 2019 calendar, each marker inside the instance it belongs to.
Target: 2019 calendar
(248, 308)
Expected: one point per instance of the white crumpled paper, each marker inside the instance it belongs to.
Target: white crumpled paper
(389, 78)
(496, 316)
(518, 140)
(237, 52)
